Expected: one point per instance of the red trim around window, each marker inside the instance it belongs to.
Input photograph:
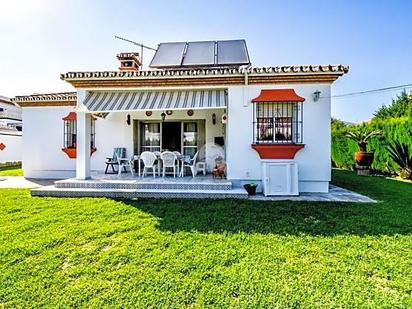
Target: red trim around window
(71, 152)
(70, 116)
(73, 116)
(277, 151)
(278, 95)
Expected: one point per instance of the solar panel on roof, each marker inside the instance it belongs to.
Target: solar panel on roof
(200, 53)
(168, 55)
(232, 52)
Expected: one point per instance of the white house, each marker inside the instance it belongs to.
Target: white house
(10, 131)
(270, 124)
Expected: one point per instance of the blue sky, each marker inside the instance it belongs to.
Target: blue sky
(43, 38)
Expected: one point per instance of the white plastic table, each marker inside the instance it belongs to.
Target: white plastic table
(180, 161)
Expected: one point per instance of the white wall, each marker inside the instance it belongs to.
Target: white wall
(111, 132)
(43, 141)
(12, 151)
(43, 138)
(313, 161)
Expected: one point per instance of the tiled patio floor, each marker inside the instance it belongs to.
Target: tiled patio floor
(335, 194)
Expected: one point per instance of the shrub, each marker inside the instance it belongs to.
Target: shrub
(402, 156)
(395, 129)
(362, 136)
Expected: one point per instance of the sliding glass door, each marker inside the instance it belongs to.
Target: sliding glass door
(190, 138)
(150, 137)
(187, 137)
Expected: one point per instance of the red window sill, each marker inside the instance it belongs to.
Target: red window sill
(71, 152)
(277, 151)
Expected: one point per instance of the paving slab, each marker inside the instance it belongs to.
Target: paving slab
(19, 182)
(335, 194)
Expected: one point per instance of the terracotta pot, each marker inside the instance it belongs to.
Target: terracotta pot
(364, 158)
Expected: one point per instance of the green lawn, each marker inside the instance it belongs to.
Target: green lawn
(11, 171)
(85, 252)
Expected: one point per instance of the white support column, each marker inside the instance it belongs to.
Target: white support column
(83, 138)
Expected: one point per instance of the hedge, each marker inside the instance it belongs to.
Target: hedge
(343, 148)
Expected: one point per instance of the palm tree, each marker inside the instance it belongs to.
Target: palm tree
(362, 137)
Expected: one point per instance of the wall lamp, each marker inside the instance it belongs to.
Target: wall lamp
(316, 95)
(163, 115)
(214, 118)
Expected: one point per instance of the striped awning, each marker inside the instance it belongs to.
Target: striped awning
(107, 101)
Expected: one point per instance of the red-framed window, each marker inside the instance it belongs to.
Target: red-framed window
(70, 134)
(278, 122)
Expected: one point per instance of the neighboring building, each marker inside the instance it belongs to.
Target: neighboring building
(271, 124)
(10, 115)
(10, 131)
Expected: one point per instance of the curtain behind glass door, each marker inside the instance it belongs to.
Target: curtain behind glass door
(190, 138)
(150, 136)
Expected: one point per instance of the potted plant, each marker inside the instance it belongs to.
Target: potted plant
(362, 137)
(250, 188)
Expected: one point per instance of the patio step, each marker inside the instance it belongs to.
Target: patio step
(143, 184)
(53, 191)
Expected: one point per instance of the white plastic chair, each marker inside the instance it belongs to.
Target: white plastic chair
(112, 161)
(149, 159)
(169, 161)
(194, 166)
(124, 163)
(159, 162)
(177, 153)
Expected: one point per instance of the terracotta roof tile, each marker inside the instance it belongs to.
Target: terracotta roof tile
(273, 70)
(261, 73)
(47, 97)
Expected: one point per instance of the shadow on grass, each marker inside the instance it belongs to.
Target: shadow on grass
(11, 170)
(282, 218)
(10, 167)
(392, 215)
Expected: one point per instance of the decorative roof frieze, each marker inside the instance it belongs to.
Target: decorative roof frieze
(48, 99)
(176, 73)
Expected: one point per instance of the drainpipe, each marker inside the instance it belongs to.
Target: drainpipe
(245, 92)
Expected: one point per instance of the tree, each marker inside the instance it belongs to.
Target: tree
(337, 124)
(400, 107)
(362, 136)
